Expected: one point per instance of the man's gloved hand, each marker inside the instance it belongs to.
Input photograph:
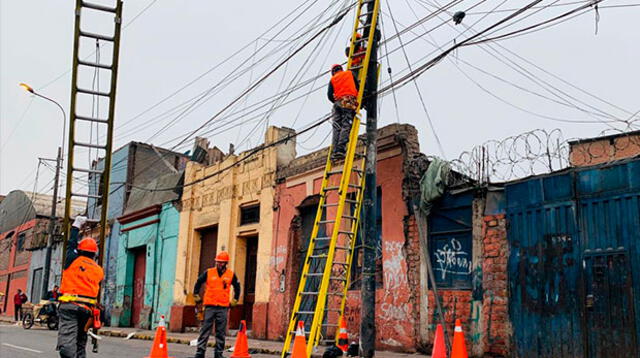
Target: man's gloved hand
(234, 302)
(197, 298)
(79, 221)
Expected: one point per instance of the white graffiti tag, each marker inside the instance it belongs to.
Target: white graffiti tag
(452, 259)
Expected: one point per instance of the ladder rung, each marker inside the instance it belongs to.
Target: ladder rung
(318, 256)
(309, 293)
(329, 325)
(338, 247)
(89, 145)
(351, 201)
(346, 233)
(322, 238)
(98, 7)
(96, 36)
(97, 93)
(359, 171)
(340, 263)
(326, 221)
(86, 195)
(349, 217)
(356, 67)
(306, 312)
(315, 274)
(94, 64)
(90, 171)
(89, 119)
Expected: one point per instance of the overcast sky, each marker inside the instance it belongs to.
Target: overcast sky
(174, 41)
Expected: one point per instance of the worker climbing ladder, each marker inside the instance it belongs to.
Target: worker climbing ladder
(325, 277)
(104, 15)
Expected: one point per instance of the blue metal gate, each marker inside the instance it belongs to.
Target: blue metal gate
(573, 265)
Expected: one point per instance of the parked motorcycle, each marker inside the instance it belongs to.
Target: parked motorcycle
(44, 313)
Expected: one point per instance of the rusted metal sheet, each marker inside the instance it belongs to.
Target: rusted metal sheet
(574, 264)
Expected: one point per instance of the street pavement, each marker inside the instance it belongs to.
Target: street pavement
(40, 342)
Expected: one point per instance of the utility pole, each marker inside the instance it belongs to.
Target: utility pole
(370, 238)
(52, 226)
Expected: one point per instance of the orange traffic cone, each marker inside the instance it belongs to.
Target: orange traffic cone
(343, 337)
(159, 348)
(299, 343)
(439, 350)
(459, 349)
(241, 350)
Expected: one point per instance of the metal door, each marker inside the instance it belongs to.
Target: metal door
(609, 314)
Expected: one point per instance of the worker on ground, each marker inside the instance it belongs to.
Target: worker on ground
(217, 299)
(79, 289)
(53, 294)
(343, 93)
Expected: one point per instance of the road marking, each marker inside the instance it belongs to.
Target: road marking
(23, 348)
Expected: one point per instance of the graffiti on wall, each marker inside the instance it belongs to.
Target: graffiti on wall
(395, 276)
(452, 258)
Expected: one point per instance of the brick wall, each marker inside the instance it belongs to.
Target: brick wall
(605, 149)
(495, 300)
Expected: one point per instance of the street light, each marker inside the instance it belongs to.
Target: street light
(54, 204)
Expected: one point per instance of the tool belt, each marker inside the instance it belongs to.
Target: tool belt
(78, 299)
(348, 102)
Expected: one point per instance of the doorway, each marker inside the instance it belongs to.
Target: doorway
(208, 248)
(610, 317)
(139, 268)
(251, 267)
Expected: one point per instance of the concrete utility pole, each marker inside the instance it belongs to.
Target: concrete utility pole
(370, 237)
(52, 226)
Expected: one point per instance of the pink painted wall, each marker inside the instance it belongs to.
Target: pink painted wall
(396, 301)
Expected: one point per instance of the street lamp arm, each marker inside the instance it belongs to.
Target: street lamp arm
(64, 115)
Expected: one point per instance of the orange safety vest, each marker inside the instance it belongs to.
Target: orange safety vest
(218, 291)
(343, 85)
(82, 278)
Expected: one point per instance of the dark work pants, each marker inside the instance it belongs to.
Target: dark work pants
(17, 312)
(72, 339)
(342, 118)
(217, 315)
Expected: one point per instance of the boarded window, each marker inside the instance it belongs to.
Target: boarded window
(250, 214)
(450, 241)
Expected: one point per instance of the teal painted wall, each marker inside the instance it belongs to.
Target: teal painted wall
(160, 240)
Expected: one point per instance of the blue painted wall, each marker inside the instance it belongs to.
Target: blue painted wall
(117, 192)
(574, 265)
(160, 241)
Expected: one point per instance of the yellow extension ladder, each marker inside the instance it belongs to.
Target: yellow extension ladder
(106, 15)
(325, 277)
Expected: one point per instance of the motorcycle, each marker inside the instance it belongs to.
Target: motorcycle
(43, 313)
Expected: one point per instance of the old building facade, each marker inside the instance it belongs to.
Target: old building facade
(229, 207)
(398, 261)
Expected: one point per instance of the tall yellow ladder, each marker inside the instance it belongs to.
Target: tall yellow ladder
(105, 15)
(325, 278)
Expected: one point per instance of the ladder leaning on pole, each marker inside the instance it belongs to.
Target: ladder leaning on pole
(94, 12)
(325, 277)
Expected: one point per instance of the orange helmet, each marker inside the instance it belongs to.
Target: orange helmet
(223, 256)
(336, 67)
(88, 244)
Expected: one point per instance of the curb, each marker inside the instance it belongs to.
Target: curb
(147, 337)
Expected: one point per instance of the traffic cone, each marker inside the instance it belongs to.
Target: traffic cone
(159, 348)
(343, 338)
(299, 343)
(459, 349)
(439, 350)
(241, 350)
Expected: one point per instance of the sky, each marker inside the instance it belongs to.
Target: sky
(478, 93)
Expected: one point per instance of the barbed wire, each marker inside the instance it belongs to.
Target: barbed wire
(543, 151)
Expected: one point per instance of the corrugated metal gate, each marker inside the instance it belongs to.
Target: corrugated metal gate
(573, 265)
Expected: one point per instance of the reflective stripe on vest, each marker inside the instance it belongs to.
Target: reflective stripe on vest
(218, 291)
(82, 278)
(343, 85)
